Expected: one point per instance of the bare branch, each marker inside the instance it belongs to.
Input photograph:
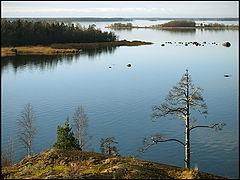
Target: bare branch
(144, 149)
(218, 126)
(156, 141)
(190, 98)
(26, 129)
(165, 109)
(80, 126)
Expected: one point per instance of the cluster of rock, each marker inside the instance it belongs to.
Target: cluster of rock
(227, 44)
(128, 65)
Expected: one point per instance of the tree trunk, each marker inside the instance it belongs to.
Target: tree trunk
(109, 150)
(187, 145)
(29, 142)
(80, 134)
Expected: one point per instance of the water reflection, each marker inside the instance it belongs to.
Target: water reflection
(122, 29)
(219, 30)
(48, 61)
(178, 31)
(92, 52)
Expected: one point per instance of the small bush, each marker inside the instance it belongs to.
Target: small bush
(65, 138)
(130, 156)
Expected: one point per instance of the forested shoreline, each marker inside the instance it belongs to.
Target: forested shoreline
(25, 33)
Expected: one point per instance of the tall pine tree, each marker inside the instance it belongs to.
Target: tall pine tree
(181, 98)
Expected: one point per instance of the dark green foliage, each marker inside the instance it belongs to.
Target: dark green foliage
(179, 23)
(121, 25)
(65, 138)
(22, 33)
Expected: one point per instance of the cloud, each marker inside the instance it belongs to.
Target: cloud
(119, 9)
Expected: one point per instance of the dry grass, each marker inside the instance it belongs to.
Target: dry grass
(74, 164)
(100, 44)
(66, 48)
(33, 50)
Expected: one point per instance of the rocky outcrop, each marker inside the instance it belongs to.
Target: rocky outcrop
(71, 164)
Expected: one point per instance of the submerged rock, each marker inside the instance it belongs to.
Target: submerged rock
(226, 75)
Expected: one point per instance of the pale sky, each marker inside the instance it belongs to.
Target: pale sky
(126, 9)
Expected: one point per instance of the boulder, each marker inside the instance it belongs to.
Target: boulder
(226, 75)
(129, 65)
(13, 50)
(226, 44)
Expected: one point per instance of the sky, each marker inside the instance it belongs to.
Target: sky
(125, 9)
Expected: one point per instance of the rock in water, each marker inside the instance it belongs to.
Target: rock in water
(129, 65)
(226, 75)
(226, 44)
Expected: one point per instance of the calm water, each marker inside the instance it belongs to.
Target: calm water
(118, 101)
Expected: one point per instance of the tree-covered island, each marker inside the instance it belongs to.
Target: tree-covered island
(176, 24)
(21, 33)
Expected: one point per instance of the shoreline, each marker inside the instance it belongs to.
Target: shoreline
(142, 27)
(64, 48)
(36, 50)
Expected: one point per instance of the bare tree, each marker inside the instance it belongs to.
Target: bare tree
(180, 99)
(80, 126)
(7, 156)
(106, 147)
(26, 128)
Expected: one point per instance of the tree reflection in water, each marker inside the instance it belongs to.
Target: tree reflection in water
(49, 61)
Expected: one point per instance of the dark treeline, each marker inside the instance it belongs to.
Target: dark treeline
(121, 25)
(22, 33)
(188, 23)
(192, 19)
(177, 23)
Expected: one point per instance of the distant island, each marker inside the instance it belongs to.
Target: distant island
(176, 24)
